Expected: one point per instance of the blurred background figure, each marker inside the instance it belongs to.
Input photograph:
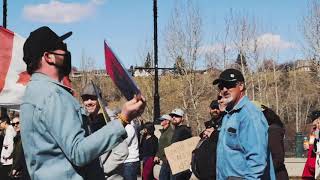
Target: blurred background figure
(204, 156)
(19, 168)
(7, 147)
(148, 150)
(181, 132)
(131, 164)
(276, 144)
(164, 141)
(112, 161)
(309, 167)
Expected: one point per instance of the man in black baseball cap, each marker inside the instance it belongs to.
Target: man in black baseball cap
(243, 126)
(231, 86)
(55, 127)
(45, 49)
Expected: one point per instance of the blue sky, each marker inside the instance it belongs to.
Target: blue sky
(128, 27)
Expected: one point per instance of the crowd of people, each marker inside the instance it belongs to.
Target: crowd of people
(62, 138)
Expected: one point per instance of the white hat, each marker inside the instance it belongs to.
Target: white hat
(164, 117)
(177, 111)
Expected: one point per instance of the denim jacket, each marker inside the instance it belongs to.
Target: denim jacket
(243, 144)
(55, 135)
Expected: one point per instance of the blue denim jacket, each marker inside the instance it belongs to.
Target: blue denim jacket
(54, 133)
(243, 144)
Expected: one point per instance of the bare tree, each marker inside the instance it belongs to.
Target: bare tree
(311, 29)
(183, 40)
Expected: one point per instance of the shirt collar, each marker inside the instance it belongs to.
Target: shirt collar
(43, 77)
(239, 105)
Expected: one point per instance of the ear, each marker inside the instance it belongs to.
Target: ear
(49, 58)
(241, 86)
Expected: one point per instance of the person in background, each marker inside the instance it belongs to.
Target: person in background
(204, 156)
(131, 164)
(19, 167)
(181, 132)
(112, 161)
(309, 167)
(148, 147)
(276, 145)
(164, 141)
(7, 148)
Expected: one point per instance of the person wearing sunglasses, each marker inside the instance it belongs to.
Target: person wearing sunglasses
(55, 139)
(181, 132)
(19, 167)
(242, 151)
(112, 161)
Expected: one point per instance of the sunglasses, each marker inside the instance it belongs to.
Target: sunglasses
(87, 97)
(16, 123)
(174, 115)
(227, 85)
(66, 55)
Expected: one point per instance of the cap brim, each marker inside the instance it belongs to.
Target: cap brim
(174, 114)
(218, 81)
(65, 36)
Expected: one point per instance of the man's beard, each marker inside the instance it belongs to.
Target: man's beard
(229, 102)
(65, 68)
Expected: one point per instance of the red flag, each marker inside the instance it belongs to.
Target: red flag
(6, 44)
(119, 75)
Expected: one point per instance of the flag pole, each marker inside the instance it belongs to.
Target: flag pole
(4, 21)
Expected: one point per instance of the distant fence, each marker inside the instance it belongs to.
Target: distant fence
(291, 148)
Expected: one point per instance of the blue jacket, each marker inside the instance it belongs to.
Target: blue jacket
(243, 144)
(55, 135)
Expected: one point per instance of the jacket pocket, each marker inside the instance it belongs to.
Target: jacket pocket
(232, 140)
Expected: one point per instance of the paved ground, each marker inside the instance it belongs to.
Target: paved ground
(294, 166)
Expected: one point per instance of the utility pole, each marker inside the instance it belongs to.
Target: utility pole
(4, 21)
(156, 101)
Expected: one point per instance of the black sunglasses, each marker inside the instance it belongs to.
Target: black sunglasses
(227, 85)
(174, 115)
(87, 97)
(67, 55)
(16, 123)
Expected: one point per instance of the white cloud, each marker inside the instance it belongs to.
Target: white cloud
(215, 48)
(60, 12)
(98, 2)
(273, 41)
(266, 42)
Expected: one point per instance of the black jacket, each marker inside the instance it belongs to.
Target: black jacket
(181, 133)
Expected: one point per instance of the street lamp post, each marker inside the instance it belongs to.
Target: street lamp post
(156, 101)
(4, 21)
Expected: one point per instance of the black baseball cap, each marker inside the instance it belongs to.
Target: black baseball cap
(41, 40)
(214, 104)
(229, 75)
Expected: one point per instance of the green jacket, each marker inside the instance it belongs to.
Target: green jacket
(164, 141)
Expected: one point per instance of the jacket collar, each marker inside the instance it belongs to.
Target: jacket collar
(244, 100)
(43, 77)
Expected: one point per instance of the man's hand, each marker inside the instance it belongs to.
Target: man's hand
(207, 133)
(134, 107)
